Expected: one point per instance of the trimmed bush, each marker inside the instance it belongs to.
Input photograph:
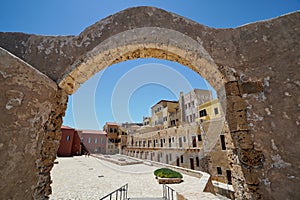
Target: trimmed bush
(167, 173)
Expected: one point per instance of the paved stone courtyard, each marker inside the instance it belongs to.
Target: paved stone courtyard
(91, 178)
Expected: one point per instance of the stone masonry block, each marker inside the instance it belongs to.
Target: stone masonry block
(251, 175)
(243, 139)
(251, 87)
(251, 157)
(232, 89)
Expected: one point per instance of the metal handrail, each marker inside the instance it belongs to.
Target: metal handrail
(169, 193)
(115, 194)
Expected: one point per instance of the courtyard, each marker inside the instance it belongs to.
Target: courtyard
(83, 177)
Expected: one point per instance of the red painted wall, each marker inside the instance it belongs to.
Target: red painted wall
(66, 142)
(69, 142)
(76, 148)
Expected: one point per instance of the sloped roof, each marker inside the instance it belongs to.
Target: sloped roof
(164, 100)
(97, 132)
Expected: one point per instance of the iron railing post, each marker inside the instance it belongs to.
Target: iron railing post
(122, 196)
(168, 193)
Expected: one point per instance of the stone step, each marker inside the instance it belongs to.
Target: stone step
(147, 198)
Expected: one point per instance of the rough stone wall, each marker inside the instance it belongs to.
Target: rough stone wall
(27, 147)
(263, 104)
(50, 144)
(258, 64)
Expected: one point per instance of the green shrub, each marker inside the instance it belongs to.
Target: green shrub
(167, 173)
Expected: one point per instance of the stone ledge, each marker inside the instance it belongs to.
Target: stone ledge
(169, 180)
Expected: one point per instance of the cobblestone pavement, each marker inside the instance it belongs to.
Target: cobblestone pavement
(90, 178)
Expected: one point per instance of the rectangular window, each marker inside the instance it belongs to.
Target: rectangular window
(223, 145)
(202, 113)
(89, 140)
(219, 170)
(187, 118)
(96, 140)
(177, 161)
(184, 139)
(194, 141)
(68, 138)
(229, 179)
(181, 159)
(216, 111)
(197, 161)
(199, 138)
(180, 142)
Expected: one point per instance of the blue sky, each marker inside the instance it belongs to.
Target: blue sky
(99, 99)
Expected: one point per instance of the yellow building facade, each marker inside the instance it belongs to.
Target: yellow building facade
(209, 110)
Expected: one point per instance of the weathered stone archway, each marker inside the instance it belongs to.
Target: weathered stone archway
(146, 42)
(244, 78)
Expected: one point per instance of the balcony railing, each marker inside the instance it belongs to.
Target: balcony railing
(163, 148)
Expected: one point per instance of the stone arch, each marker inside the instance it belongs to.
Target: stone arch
(147, 42)
(252, 83)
